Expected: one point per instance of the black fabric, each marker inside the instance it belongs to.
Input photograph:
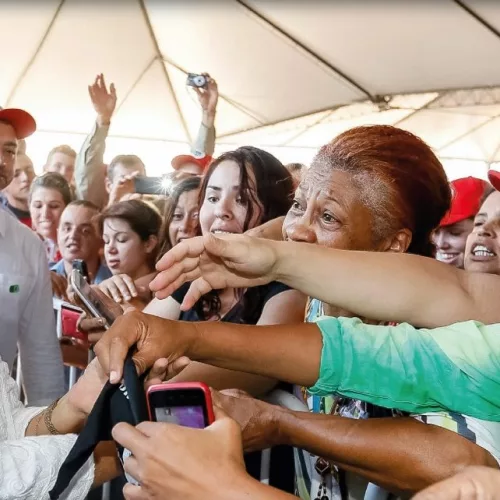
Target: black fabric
(124, 403)
(247, 311)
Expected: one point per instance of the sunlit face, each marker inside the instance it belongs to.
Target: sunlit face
(185, 219)
(124, 250)
(24, 174)
(482, 252)
(327, 211)
(450, 242)
(62, 164)
(223, 209)
(78, 236)
(8, 149)
(46, 208)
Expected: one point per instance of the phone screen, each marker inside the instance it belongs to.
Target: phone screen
(188, 416)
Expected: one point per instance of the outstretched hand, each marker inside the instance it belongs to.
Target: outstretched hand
(214, 263)
(104, 101)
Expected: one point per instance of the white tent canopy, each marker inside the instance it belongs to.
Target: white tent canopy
(291, 74)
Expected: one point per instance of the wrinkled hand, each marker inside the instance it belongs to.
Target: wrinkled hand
(104, 102)
(473, 483)
(257, 419)
(208, 96)
(123, 187)
(180, 463)
(271, 230)
(214, 263)
(59, 286)
(153, 337)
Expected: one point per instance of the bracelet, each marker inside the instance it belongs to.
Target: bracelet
(47, 417)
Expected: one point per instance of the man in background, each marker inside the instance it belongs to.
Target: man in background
(17, 192)
(62, 160)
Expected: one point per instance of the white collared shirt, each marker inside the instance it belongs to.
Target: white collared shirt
(26, 314)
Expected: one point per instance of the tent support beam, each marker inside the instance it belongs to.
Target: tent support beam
(413, 113)
(230, 101)
(159, 57)
(469, 132)
(307, 50)
(478, 18)
(134, 85)
(32, 60)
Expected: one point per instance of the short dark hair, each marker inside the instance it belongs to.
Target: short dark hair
(126, 160)
(295, 167)
(55, 181)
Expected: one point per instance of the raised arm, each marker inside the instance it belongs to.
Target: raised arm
(377, 285)
(90, 173)
(205, 141)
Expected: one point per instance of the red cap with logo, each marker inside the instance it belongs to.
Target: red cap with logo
(181, 160)
(467, 194)
(21, 121)
(494, 177)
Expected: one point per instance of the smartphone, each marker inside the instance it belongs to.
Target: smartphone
(151, 185)
(81, 266)
(70, 315)
(89, 298)
(185, 403)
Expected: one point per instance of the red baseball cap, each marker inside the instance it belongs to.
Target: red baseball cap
(494, 177)
(22, 122)
(181, 160)
(467, 194)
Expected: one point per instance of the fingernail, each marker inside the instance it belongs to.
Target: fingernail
(113, 377)
(100, 321)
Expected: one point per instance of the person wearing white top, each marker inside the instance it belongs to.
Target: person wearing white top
(26, 314)
(30, 452)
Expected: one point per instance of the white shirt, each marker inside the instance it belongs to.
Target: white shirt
(29, 465)
(26, 314)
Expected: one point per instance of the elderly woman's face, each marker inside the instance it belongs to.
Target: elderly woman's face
(328, 211)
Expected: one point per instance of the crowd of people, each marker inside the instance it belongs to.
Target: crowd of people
(364, 287)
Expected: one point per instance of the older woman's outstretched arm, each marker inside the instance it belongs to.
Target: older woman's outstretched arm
(378, 285)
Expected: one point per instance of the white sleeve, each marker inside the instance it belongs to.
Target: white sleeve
(29, 468)
(41, 359)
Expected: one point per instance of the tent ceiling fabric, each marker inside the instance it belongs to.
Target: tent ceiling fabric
(291, 74)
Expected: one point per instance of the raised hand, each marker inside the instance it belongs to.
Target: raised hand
(104, 101)
(214, 263)
(208, 98)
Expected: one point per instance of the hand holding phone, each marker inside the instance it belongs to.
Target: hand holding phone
(185, 403)
(90, 299)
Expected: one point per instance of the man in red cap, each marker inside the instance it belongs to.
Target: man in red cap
(457, 224)
(190, 164)
(26, 314)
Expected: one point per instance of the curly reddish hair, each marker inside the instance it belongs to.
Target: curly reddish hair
(399, 179)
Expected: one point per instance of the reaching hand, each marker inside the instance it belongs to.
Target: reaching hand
(104, 102)
(122, 188)
(120, 287)
(180, 463)
(153, 337)
(214, 263)
(59, 286)
(473, 483)
(256, 418)
(208, 97)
